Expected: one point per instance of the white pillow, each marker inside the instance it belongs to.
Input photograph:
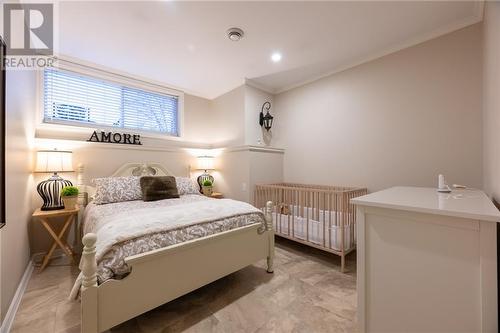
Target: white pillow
(186, 185)
(117, 189)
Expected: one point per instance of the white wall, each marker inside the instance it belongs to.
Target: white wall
(491, 99)
(14, 241)
(398, 120)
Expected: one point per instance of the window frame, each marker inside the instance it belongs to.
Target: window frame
(115, 78)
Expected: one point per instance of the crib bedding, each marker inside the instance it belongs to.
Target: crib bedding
(312, 231)
(129, 228)
(307, 224)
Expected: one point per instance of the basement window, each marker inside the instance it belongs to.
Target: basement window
(71, 98)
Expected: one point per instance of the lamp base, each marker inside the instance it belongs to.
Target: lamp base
(50, 191)
(201, 178)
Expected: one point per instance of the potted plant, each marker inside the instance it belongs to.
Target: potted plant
(207, 187)
(69, 196)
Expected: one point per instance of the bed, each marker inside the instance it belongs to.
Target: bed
(138, 255)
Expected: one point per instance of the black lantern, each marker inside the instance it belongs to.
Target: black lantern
(266, 120)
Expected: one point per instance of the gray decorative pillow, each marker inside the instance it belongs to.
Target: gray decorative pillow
(117, 189)
(158, 188)
(186, 185)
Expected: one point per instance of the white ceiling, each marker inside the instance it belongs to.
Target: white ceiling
(183, 44)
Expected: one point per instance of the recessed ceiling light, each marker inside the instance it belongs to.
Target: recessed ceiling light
(276, 57)
(235, 34)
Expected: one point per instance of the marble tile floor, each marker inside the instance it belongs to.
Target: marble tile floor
(306, 293)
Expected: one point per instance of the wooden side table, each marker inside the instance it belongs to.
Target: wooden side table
(217, 195)
(43, 216)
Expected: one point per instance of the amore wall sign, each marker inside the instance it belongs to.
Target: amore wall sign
(120, 138)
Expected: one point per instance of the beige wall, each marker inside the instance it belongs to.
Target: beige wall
(19, 182)
(491, 99)
(398, 120)
(197, 120)
(242, 168)
(265, 168)
(234, 118)
(228, 118)
(232, 175)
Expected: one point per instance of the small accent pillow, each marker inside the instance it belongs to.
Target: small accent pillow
(158, 188)
(186, 185)
(116, 189)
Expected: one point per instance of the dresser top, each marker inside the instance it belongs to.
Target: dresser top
(470, 204)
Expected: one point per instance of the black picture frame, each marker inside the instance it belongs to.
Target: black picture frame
(3, 81)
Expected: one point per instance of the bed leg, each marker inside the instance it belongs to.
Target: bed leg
(342, 263)
(88, 266)
(269, 227)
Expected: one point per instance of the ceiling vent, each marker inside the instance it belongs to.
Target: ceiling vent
(235, 34)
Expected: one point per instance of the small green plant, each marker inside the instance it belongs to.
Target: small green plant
(207, 182)
(69, 191)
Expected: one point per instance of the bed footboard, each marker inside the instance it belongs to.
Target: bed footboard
(162, 275)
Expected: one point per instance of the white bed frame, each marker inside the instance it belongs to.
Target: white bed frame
(162, 275)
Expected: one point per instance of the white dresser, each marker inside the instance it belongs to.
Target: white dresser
(427, 261)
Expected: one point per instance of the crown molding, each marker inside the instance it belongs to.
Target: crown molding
(256, 85)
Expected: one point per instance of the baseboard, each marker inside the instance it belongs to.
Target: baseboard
(14, 304)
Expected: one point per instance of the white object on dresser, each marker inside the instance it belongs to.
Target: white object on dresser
(426, 261)
(442, 186)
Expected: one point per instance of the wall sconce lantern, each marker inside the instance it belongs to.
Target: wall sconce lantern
(266, 121)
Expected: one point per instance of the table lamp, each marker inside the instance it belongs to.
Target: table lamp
(50, 190)
(205, 163)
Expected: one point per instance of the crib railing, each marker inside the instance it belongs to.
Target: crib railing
(317, 215)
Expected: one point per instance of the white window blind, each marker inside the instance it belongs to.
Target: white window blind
(76, 99)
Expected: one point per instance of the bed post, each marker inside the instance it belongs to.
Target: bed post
(88, 266)
(270, 229)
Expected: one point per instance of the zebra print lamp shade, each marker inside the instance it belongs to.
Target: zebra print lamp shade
(50, 190)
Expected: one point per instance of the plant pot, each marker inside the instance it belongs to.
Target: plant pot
(207, 190)
(70, 202)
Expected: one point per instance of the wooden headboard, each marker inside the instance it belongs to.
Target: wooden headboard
(87, 190)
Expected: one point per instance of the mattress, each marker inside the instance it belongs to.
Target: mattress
(308, 225)
(111, 265)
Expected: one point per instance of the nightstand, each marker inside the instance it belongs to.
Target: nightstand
(44, 217)
(217, 195)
